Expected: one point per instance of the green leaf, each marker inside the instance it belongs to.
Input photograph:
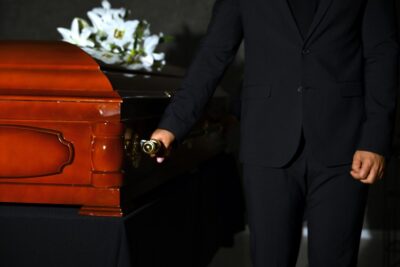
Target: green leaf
(167, 39)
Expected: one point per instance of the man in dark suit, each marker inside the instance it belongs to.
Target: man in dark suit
(317, 110)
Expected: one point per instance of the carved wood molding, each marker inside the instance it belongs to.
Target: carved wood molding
(27, 152)
(107, 154)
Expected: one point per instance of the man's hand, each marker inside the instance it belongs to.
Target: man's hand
(166, 137)
(367, 166)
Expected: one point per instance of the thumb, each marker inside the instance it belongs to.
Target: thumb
(357, 162)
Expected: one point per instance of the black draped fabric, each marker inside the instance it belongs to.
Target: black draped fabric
(180, 224)
(56, 236)
(303, 11)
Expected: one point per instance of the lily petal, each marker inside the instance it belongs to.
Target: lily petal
(75, 27)
(96, 21)
(158, 56)
(147, 60)
(150, 43)
(65, 33)
(106, 4)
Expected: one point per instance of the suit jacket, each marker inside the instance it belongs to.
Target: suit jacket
(338, 83)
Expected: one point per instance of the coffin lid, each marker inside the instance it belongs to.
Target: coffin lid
(51, 69)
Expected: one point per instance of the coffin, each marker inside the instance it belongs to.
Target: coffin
(70, 129)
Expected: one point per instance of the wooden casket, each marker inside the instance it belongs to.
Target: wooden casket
(70, 130)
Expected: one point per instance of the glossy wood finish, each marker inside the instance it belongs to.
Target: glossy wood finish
(50, 68)
(19, 153)
(60, 129)
(65, 117)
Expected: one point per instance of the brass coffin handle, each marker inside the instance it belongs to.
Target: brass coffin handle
(135, 147)
(151, 146)
(132, 147)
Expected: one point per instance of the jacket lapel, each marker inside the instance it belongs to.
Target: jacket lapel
(322, 8)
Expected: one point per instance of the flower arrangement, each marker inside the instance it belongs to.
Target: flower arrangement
(112, 39)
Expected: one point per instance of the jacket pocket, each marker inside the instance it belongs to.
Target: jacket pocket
(256, 91)
(349, 89)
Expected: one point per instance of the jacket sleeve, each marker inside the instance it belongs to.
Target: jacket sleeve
(381, 53)
(215, 52)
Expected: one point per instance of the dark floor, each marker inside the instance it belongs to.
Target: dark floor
(370, 252)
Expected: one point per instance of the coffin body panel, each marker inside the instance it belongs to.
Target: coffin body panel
(66, 117)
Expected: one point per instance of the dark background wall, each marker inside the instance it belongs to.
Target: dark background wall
(186, 20)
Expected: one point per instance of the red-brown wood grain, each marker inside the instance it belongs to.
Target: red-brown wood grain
(61, 135)
(58, 67)
(55, 152)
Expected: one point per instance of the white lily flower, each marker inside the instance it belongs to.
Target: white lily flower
(136, 66)
(120, 33)
(96, 20)
(147, 61)
(158, 56)
(105, 56)
(111, 39)
(109, 13)
(150, 44)
(106, 4)
(110, 58)
(77, 36)
(146, 32)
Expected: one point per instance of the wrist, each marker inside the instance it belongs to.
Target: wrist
(165, 136)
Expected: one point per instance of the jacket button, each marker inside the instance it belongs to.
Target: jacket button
(305, 51)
